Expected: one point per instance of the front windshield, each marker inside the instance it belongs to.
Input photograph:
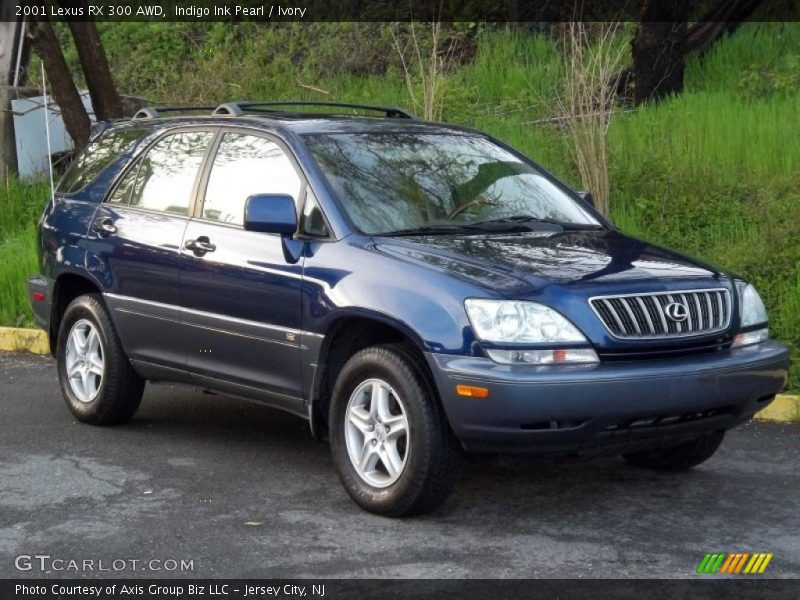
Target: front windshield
(390, 182)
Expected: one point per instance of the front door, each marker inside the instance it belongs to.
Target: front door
(240, 295)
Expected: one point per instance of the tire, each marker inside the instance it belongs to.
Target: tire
(678, 457)
(406, 473)
(105, 389)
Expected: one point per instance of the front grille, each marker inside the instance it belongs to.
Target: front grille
(645, 316)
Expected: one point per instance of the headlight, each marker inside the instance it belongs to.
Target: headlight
(754, 314)
(523, 323)
(753, 310)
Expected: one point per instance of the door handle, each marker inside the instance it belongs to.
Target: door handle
(104, 227)
(200, 246)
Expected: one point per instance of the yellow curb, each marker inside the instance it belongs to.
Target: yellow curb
(784, 408)
(14, 339)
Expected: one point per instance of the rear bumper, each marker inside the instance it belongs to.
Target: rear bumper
(606, 408)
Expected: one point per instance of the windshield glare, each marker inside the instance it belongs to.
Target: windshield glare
(397, 181)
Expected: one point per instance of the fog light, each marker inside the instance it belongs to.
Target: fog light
(558, 356)
(750, 337)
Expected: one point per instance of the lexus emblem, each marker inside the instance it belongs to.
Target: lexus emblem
(676, 311)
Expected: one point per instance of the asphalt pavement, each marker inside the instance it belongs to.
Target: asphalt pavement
(235, 489)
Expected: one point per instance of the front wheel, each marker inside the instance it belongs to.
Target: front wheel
(391, 443)
(678, 457)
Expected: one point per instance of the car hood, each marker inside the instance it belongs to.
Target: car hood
(509, 263)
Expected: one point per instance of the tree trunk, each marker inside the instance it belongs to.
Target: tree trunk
(724, 18)
(658, 50)
(105, 99)
(66, 95)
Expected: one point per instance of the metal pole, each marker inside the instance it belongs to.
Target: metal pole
(20, 46)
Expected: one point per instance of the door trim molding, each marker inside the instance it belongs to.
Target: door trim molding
(120, 300)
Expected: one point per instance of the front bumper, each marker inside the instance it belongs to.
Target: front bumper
(606, 408)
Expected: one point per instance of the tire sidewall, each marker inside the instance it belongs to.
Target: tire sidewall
(83, 308)
(412, 393)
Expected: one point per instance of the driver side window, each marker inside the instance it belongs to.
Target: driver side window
(243, 166)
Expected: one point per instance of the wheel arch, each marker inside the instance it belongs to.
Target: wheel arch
(345, 336)
(68, 286)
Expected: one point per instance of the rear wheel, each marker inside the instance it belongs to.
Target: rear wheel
(97, 379)
(390, 440)
(678, 457)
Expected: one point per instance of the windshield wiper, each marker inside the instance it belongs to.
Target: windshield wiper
(430, 229)
(515, 223)
(516, 220)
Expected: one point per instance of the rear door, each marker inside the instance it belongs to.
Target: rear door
(240, 293)
(138, 232)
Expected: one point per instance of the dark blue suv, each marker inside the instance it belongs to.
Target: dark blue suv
(411, 289)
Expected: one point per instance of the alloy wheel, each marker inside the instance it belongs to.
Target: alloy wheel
(376, 433)
(84, 360)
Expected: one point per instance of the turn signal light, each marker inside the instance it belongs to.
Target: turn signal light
(751, 337)
(470, 391)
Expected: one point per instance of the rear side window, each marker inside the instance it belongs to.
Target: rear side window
(246, 165)
(122, 194)
(164, 178)
(97, 156)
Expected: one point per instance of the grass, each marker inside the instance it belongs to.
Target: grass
(513, 73)
(761, 60)
(714, 172)
(711, 134)
(18, 262)
(20, 207)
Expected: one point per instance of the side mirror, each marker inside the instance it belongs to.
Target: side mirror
(588, 198)
(270, 213)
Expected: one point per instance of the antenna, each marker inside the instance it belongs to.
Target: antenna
(47, 131)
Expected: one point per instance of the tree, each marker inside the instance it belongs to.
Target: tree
(722, 19)
(663, 40)
(105, 99)
(659, 49)
(66, 95)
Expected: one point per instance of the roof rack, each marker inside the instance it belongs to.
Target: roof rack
(153, 112)
(236, 109)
